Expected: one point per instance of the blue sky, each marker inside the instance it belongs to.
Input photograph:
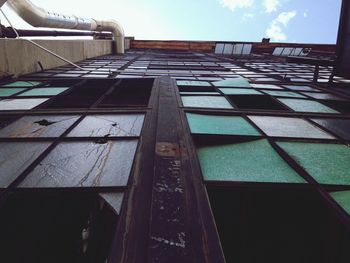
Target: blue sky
(307, 21)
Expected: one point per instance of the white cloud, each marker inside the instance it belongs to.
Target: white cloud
(275, 30)
(271, 5)
(233, 4)
(305, 14)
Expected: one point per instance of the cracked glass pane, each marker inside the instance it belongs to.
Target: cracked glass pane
(43, 92)
(109, 126)
(16, 157)
(289, 127)
(85, 164)
(20, 104)
(38, 126)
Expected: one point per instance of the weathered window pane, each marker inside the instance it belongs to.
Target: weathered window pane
(265, 86)
(238, 82)
(206, 102)
(225, 125)
(301, 88)
(326, 163)
(23, 84)
(39, 126)
(234, 91)
(10, 91)
(307, 106)
(16, 157)
(254, 161)
(20, 104)
(284, 94)
(192, 83)
(109, 126)
(85, 164)
(43, 92)
(289, 127)
(338, 126)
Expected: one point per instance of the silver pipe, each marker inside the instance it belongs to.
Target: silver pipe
(39, 46)
(39, 17)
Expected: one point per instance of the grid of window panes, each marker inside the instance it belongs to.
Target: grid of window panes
(73, 135)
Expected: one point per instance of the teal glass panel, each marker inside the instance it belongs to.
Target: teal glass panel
(23, 84)
(254, 161)
(234, 91)
(223, 125)
(300, 88)
(43, 92)
(284, 94)
(326, 163)
(4, 92)
(307, 106)
(192, 83)
(233, 82)
(206, 102)
(343, 199)
(198, 93)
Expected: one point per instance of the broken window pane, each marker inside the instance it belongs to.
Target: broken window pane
(256, 102)
(206, 102)
(16, 157)
(38, 126)
(289, 127)
(254, 161)
(20, 104)
(307, 106)
(109, 126)
(326, 163)
(284, 94)
(224, 125)
(192, 83)
(338, 126)
(85, 164)
(43, 92)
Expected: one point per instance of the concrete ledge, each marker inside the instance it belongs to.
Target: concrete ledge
(19, 57)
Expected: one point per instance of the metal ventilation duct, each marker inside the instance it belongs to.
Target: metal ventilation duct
(39, 17)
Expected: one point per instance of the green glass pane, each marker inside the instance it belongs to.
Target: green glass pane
(234, 91)
(326, 163)
(43, 92)
(284, 94)
(23, 84)
(9, 91)
(266, 86)
(254, 161)
(233, 82)
(307, 106)
(199, 93)
(192, 83)
(206, 102)
(343, 199)
(224, 125)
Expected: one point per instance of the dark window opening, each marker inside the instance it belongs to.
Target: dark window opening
(342, 106)
(277, 226)
(129, 93)
(82, 96)
(256, 102)
(196, 89)
(56, 228)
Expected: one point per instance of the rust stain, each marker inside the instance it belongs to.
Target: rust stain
(167, 149)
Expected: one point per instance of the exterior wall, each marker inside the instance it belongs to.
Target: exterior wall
(19, 57)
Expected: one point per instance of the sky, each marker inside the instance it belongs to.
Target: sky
(295, 21)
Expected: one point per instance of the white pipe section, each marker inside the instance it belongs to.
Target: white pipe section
(39, 17)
